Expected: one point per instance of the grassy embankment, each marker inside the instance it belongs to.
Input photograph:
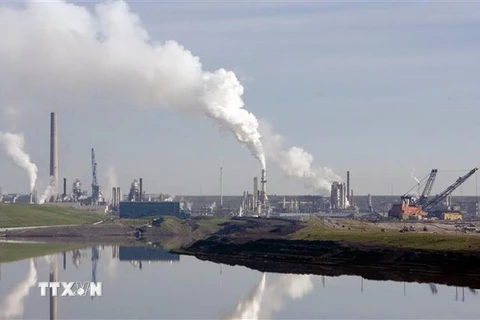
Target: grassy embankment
(317, 230)
(10, 252)
(18, 215)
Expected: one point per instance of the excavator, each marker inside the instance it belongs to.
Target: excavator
(412, 208)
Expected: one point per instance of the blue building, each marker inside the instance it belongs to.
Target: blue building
(133, 210)
(145, 254)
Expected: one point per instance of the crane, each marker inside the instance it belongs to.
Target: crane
(449, 190)
(428, 187)
(409, 207)
(95, 186)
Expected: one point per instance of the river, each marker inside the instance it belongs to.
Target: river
(167, 286)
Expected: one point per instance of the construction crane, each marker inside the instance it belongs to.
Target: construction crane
(95, 186)
(409, 204)
(409, 207)
(448, 191)
(428, 188)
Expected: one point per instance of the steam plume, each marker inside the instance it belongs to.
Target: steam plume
(249, 308)
(49, 191)
(267, 298)
(14, 145)
(412, 175)
(64, 48)
(296, 162)
(111, 178)
(13, 305)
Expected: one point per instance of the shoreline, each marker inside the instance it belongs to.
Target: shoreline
(273, 245)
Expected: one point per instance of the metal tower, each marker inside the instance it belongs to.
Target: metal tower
(95, 186)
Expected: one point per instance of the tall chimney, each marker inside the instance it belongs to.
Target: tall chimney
(351, 198)
(119, 195)
(264, 191)
(255, 192)
(348, 186)
(64, 187)
(141, 189)
(114, 196)
(54, 151)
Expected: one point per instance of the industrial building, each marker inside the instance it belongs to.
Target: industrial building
(256, 203)
(136, 209)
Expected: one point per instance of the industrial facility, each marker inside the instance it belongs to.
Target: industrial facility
(422, 207)
(341, 202)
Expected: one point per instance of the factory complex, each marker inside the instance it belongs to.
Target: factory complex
(341, 202)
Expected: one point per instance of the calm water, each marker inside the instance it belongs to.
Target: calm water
(181, 287)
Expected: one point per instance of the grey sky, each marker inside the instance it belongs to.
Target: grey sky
(372, 87)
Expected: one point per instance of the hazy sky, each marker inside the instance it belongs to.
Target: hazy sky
(372, 87)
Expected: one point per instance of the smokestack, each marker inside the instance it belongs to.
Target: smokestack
(348, 185)
(54, 151)
(141, 189)
(255, 192)
(114, 196)
(119, 196)
(264, 191)
(64, 187)
(351, 198)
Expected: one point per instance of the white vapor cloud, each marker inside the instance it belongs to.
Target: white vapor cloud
(269, 297)
(62, 48)
(14, 304)
(14, 145)
(296, 162)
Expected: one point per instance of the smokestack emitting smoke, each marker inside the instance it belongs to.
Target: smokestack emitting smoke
(296, 162)
(14, 145)
(13, 306)
(110, 49)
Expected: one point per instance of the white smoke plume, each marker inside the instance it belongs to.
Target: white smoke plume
(249, 308)
(296, 162)
(268, 298)
(65, 49)
(13, 306)
(111, 176)
(48, 193)
(14, 145)
(170, 198)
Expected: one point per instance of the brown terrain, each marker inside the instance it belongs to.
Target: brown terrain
(270, 245)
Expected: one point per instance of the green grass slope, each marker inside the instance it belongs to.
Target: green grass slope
(18, 215)
(317, 230)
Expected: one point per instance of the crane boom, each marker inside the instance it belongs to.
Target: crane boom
(449, 190)
(428, 187)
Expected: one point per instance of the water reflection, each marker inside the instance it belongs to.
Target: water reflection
(13, 306)
(241, 293)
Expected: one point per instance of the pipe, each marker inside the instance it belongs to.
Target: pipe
(141, 189)
(64, 187)
(255, 192)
